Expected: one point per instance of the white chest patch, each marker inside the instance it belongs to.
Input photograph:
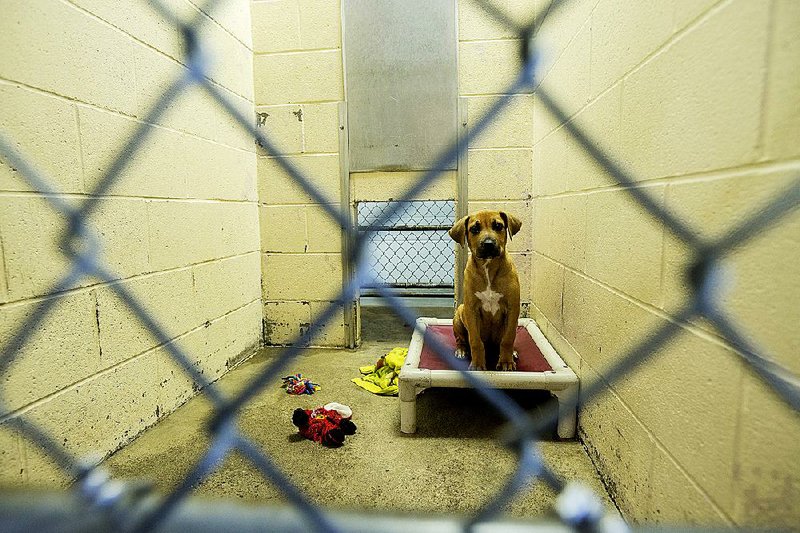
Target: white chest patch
(490, 300)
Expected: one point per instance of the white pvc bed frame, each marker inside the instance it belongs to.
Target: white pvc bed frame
(561, 381)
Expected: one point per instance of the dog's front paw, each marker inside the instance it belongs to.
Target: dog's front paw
(460, 353)
(477, 365)
(507, 365)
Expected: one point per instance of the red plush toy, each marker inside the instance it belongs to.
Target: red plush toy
(327, 425)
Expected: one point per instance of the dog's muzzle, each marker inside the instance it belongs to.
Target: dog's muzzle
(487, 248)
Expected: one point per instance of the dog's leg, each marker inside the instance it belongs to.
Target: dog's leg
(477, 350)
(461, 334)
(507, 359)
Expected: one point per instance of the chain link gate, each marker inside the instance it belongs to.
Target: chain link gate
(99, 502)
(412, 249)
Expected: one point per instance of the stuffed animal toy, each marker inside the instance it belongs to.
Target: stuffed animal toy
(327, 425)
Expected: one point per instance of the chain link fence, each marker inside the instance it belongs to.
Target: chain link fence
(129, 506)
(412, 249)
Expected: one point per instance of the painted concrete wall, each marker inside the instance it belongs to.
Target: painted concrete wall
(701, 100)
(297, 68)
(500, 162)
(180, 229)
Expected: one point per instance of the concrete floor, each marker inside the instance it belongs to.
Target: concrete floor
(453, 463)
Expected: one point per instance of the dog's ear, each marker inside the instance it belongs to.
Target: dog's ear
(512, 223)
(459, 231)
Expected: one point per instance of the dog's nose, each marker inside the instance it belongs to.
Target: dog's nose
(488, 246)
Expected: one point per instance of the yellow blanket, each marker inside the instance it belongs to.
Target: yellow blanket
(381, 378)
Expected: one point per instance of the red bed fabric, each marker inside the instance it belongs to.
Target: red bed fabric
(530, 357)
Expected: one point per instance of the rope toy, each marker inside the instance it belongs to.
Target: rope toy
(327, 425)
(297, 384)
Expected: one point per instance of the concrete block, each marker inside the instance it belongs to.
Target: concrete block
(12, 460)
(333, 331)
(231, 61)
(283, 228)
(276, 26)
(522, 210)
(569, 82)
(524, 263)
(500, 174)
(768, 473)
(619, 43)
(45, 130)
(512, 127)
(282, 321)
(323, 233)
(601, 121)
(686, 11)
(558, 29)
(175, 384)
(321, 128)
(226, 285)
(74, 350)
(694, 410)
(677, 499)
(624, 245)
(286, 276)
(160, 168)
(548, 286)
(226, 173)
(543, 121)
(475, 24)
(40, 469)
(600, 324)
(782, 107)
(169, 299)
(761, 300)
(385, 186)
(320, 23)
(177, 235)
(621, 448)
(276, 187)
(83, 70)
(121, 226)
(193, 111)
(232, 338)
(105, 412)
(30, 232)
(234, 228)
(235, 16)
(560, 229)
(550, 170)
(708, 111)
(298, 77)
(488, 67)
(142, 22)
(283, 125)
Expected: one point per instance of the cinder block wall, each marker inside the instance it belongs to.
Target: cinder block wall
(297, 68)
(701, 101)
(180, 228)
(500, 161)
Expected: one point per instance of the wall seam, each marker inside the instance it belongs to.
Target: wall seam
(55, 394)
(137, 277)
(38, 90)
(761, 148)
(149, 46)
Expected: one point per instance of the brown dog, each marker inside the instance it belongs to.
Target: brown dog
(487, 320)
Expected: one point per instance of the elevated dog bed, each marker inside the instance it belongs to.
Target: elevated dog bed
(539, 368)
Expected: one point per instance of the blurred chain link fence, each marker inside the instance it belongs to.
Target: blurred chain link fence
(98, 502)
(412, 249)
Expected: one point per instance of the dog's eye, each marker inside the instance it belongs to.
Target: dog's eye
(497, 226)
(475, 229)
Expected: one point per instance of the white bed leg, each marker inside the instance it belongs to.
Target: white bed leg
(567, 411)
(407, 391)
(408, 416)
